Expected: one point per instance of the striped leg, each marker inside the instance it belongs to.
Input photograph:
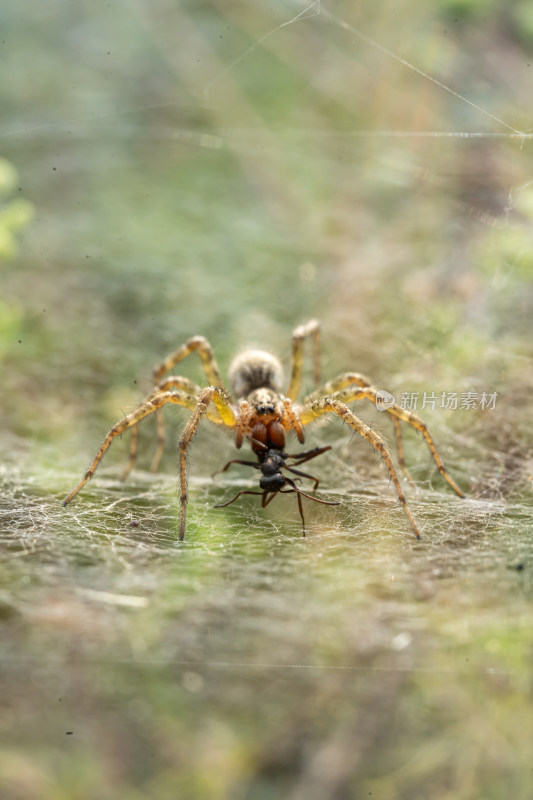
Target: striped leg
(200, 408)
(331, 405)
(150, 406)
(227, 415)
(343, 389)
(174, 382)
(196, 344)
(311, 328)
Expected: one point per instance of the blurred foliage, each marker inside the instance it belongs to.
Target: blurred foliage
(14, 214)
(232, 169)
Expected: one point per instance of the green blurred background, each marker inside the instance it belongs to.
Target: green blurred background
(233, 169)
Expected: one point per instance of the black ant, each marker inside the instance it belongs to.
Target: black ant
(271, 462)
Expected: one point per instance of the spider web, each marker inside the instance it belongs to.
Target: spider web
(353, 515)
(33, 527)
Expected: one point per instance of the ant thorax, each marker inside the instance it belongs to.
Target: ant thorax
(255, 370)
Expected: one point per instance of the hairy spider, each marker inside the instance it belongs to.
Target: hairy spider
(262, 414)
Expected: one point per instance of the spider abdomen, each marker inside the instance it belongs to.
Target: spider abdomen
(255, 369)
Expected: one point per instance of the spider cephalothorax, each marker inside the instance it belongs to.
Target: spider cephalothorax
(263, 415)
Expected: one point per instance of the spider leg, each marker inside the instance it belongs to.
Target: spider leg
(174, 382)
(131, 420)
(311, 328)
(399, 450)
(312, 411)
(348, 379)
(227, 415)
(200, 407)
(341, 382)
(342, 389)
(197, 344)
(370, 393)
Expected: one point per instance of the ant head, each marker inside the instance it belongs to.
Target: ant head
(273, 462)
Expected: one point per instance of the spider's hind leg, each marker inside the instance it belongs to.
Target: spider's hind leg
(311, 328)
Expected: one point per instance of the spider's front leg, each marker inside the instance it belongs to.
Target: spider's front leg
(328, 405)
(344, 389)
(356, 379)
(223, 412)
(150, 406)
(228, 416)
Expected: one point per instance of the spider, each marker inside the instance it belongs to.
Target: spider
(262, 414)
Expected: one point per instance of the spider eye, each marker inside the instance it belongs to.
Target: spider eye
(265, 409)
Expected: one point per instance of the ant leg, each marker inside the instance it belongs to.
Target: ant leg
(301, 510)
(304, 475)
(299, 495)
(243, 491)
(236, 461)
(267, 499)
(309, 496)
(300, 458)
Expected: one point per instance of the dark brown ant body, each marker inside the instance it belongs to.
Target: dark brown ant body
(268, 441)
